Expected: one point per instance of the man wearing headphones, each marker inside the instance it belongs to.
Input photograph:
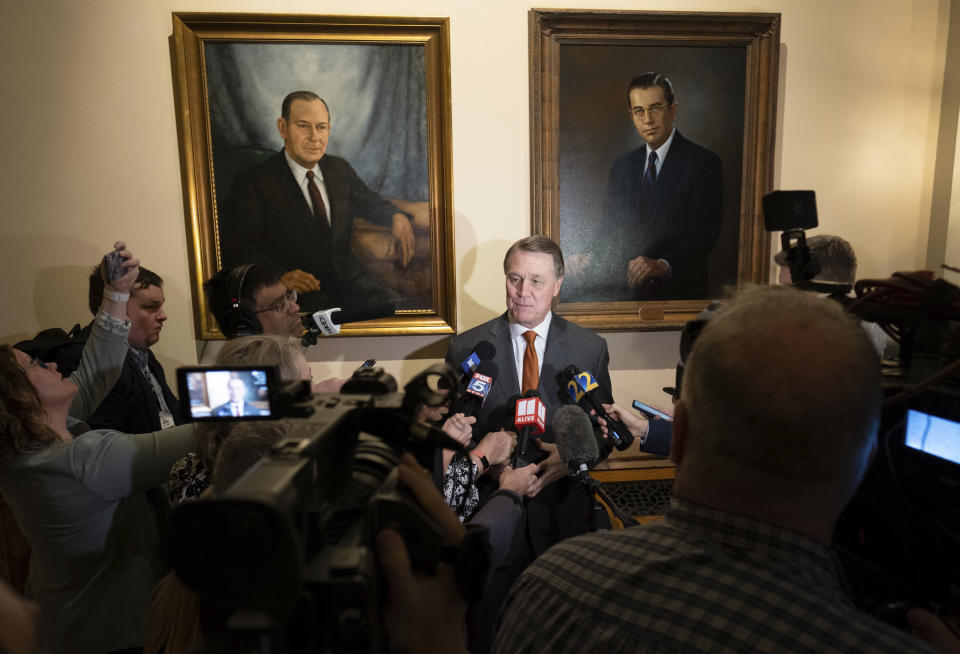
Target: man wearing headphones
(252, 299)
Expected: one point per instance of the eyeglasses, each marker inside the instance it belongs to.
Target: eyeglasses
(653, 110)
(37, 363)
(283, 304)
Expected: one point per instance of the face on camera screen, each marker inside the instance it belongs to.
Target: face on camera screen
(227, 393)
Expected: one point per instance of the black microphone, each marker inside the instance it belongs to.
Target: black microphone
(529, 418)
(581, 387)
(576, 442)
(327, 321)
(478, 388)
(482, 351)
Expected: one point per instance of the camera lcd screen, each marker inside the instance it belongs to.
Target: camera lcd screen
(226, 393)
(933, 435)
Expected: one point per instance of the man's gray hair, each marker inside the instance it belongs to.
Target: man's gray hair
(838, 261)
(784, 383)
(284, 352)
(537, 243)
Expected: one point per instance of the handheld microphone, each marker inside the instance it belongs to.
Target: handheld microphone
(529, 418)
(580, 386)
(482, 351)
(327, 321)
(478, 387)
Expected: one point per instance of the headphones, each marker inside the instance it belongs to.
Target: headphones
(240, 321)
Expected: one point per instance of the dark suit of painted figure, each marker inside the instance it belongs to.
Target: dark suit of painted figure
(662, 214)
(273, 216)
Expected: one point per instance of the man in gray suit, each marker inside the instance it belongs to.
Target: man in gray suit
(533, 346)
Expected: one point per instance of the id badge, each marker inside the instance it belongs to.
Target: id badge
(166, 420)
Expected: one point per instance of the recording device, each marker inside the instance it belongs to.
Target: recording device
(477, 389)
(327, 322)
(369, 363)
(235, 392)
(114, 265)
(286, 554)
(530, 416)
(579, 451)
(580, 387)
(651, 412)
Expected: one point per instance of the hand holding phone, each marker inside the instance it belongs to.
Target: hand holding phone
(114, 265)
(650, 412)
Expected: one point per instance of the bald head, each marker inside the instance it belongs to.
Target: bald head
(783, 386)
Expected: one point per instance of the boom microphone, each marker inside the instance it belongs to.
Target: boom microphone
(327, 321)
(581, 387)
(529, 418)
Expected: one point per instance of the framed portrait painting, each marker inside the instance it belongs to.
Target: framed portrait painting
(652, 147)
(320, 145)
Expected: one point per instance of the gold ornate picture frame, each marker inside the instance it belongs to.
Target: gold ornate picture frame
(386, 81)
(723, 68)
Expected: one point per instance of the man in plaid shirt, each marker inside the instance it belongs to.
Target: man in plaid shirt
(774, 430)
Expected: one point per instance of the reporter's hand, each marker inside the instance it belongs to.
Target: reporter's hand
(124, 284)
(550, 469)
(423, 613)
(635, 422)
(459, 427)
(521, 480)
(497, 446)
(332, 385)
(300, 281)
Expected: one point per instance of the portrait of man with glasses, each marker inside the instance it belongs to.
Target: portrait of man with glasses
(663, 210)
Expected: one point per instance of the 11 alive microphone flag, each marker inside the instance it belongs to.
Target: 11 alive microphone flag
(531, 412)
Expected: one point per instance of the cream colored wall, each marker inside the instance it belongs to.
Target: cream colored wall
(90, 151)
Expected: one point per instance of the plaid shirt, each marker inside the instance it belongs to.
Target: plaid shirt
(699, 581)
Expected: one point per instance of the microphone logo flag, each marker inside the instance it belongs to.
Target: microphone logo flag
(471, 363)
(480, 385)
(325, 322)
(581, 383)
(531, 412)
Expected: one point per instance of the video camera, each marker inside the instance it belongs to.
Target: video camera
(285, 556)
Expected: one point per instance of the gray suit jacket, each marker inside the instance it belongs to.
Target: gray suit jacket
(560, 510)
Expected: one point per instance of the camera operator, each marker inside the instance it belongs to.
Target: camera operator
(80, 501)
(837, 264)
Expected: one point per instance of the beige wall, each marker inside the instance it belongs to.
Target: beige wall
(90, 151)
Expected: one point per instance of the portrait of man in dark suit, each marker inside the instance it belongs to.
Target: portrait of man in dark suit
(296, 210)
(663, 209)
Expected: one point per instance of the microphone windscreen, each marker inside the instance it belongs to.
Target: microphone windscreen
(485, 350)
(574, 435)
(488, 368)
(362, 313)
